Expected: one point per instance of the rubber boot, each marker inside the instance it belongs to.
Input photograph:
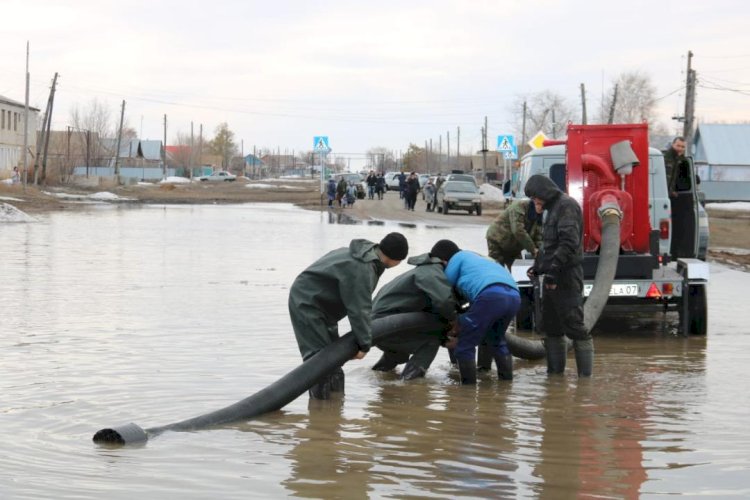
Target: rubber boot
(386, 363)
(504, 364)
(556, 354)
(412, 371)
(452, 356)
(467, 368)
(484, 358)
(321, 390)
(337, 380)
(584, 357)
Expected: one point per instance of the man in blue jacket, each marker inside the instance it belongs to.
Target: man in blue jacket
(493, 303)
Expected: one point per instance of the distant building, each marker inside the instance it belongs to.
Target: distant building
(722, 160)
(11, 134)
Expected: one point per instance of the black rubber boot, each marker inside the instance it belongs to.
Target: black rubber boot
(412, 371)
(504, 364)
(452, 356)
(556, 354)
(484, 358)
(386, 363)
(337, 381)
(321, 390)
(468, 370)
(584, 357)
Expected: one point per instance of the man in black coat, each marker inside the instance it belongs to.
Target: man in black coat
(560, 261)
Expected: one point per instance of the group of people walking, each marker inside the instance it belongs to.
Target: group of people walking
(341, 283)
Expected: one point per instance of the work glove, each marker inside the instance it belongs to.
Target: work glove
(532, 273)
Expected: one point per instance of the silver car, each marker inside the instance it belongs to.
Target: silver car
(459, 195)
(219, 176)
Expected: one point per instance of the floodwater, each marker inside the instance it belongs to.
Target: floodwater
(155, 314)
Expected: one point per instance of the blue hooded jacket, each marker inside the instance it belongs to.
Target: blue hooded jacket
(471, 273)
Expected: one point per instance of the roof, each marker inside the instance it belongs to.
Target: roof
(135, 148)
(11, 102)
(722, 144)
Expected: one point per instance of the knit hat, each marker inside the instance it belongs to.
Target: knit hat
(394, 246)
(444, 250)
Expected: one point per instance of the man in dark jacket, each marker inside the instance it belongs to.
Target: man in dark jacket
(673, 159)
(424, 288)
(340, 284)
(560, 261)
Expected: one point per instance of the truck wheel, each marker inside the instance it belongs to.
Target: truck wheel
(696, 322)
(445, 209)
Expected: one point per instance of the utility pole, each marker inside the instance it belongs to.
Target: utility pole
(523, 131)
(430, 155)
(554, 125)
(448, 137)
(26, 123)
(458, 147)
(440, 153)
(583, 104)
(119, 141)
(484, 147)
(426, 157)
(40, 140)
(191, 156)
(49, 127)
(200, 146)
(164, 149)
(612, 108)
(687, 130)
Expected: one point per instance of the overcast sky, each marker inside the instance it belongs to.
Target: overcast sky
(365, 74)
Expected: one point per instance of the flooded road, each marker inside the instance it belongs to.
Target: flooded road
(156, 314)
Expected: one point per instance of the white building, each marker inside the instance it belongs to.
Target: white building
(11, 134)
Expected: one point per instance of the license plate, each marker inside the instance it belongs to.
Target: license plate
(617, 290)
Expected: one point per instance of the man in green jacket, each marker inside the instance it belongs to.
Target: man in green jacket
(340, 284)
(518, 227)
(673, 159)
(424, 288)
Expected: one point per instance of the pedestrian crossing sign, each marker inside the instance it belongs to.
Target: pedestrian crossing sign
(506, 144)
(320, 144)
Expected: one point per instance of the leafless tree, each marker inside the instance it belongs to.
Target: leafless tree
(546, 111)
(381, 158)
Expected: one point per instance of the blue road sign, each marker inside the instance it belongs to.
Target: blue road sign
(506, 144)
(320, 144)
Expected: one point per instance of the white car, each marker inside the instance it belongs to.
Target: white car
(391, 181)
(221, 176)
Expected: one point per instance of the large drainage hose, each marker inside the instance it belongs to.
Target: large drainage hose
(606, 268)
(284, 390)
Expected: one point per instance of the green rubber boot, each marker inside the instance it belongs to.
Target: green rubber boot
(584, 357)
(556, 354)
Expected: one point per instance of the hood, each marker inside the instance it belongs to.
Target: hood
(539, 186)
(420, 260)
(363, 250)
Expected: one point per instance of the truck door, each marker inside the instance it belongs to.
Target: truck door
(685, 213)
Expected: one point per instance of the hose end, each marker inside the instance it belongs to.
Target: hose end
(124, 434)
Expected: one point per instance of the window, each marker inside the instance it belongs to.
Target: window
(2, 124)
(16, 117)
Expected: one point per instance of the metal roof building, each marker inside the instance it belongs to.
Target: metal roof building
(722, 159)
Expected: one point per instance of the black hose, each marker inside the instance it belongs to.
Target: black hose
(287, 388)
(606, 268)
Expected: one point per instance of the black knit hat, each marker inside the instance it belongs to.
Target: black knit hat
(444, 250)
(394, 246)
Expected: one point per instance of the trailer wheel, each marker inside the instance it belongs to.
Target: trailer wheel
(696, 322)
(445, 208)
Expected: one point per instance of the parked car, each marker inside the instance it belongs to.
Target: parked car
(423, 179)
(461, 177)
(357, 179)
(220, 176)
(458, 195)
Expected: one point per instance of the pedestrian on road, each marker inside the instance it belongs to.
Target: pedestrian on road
(331, 191)
(429, 195)
(412, 188)
(380, 186)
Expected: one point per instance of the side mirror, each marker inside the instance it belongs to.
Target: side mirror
(481, 192)
(697, 179)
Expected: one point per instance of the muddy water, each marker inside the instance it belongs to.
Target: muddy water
(157, 314)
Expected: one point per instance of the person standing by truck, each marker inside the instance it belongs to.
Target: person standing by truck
(559, 261)
(673, 159)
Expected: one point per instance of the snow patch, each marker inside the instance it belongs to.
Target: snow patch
(271, 186)
(9, 213)
(9, 198)
(736, 206)
(175, 180)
